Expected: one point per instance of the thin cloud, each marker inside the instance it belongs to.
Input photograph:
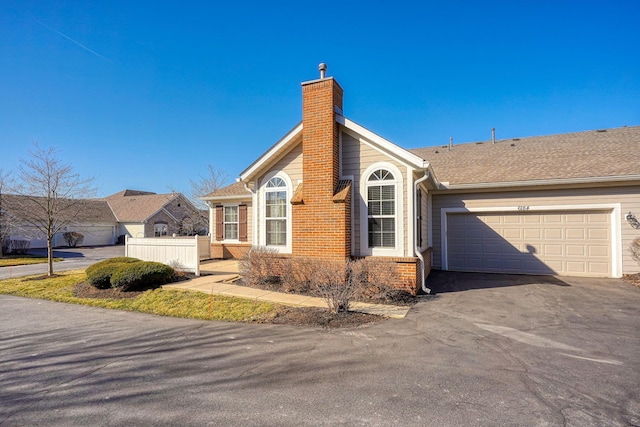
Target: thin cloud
(72, 40)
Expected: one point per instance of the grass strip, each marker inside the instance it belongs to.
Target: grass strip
(13, 260)
(162, 302)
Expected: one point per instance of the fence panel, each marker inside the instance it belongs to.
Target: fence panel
(185, 251)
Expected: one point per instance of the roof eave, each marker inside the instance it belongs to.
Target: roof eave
(230, 197)
(402, 154)
(274, 150)
(540, 182)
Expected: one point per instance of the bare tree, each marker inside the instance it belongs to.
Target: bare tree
(5, 183)
(52, 195)
(212, 180)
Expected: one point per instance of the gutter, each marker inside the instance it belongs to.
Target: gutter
(540, 182)
(415, 243)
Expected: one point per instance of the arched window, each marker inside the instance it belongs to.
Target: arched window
(381, 209)
(275, 203)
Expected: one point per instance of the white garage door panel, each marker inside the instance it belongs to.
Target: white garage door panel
(95, 236)
(569, 243)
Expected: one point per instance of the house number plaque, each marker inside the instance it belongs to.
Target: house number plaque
(523, 208)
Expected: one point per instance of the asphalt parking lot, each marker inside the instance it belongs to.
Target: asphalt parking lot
(488, 350)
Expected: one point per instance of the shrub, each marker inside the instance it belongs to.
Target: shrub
(141, 275)
(5, 246)
(19, 247)
(99, 274)
(374, 278)
(634, 248)
(73, 238)
(261, 265)
(297, 275)
(333, 282)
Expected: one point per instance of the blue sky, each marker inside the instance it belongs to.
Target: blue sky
(144, 95)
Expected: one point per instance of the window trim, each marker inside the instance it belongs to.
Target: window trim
(398, 182)
(165, 226)
(286, 248)
(224, 223)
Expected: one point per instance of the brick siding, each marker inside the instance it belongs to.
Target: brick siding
(321, 226)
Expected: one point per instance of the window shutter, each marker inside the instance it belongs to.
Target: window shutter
(242, 223)
(219, 223)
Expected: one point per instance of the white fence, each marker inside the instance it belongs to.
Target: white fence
(185, 251)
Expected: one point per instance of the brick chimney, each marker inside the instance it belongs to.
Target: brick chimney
(322, 210)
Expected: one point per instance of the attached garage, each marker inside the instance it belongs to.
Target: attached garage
(570, 242)
(96, 235)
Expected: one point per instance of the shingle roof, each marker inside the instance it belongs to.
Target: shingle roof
(137, 206)
(235, 189)
(93, 211)
(599, 153)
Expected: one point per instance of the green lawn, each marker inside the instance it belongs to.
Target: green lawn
(176, 303)
(13, 260)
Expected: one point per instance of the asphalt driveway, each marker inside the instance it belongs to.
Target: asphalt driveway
(72, 259)
(487, 350)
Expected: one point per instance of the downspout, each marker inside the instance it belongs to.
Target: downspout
(415, 242)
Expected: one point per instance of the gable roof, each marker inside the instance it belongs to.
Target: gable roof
(93, 211)
(233, 191)
(292, 138)
(610, 154)
(137, 206)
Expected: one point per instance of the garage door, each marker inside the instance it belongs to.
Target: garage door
(94, 236)
(564, 243)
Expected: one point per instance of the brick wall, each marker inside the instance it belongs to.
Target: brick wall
(321, 222)
(229, 250)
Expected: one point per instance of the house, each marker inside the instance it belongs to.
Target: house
(106, 221)
(332, 189)
(94, 219)
(147, 214)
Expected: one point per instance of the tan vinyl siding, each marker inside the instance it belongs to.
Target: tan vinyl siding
(356, 158)
(627, 196)
(425, 220)
(132, 229)
(291, 164)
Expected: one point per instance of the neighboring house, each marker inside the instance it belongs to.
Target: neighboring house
(95, 221)
(332, 189)
(106, 221)
(146, 214)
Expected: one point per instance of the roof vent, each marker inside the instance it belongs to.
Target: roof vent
(479, 143)
(323, 69)
(601, 130)
(513, 145)
(516, 139)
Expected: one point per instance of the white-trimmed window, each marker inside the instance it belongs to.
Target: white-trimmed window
(160, 229)
(231, 223)
(275, 204)
(381, 209)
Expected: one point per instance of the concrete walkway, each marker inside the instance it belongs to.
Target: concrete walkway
(218, 277)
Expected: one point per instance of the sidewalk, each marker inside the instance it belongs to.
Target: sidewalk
(220, 274)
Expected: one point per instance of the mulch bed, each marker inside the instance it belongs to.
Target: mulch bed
(282, 315)
(85, 290)
(318, 318)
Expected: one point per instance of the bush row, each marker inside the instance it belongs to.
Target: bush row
(129, 274)
(339, 283)
(15, 246)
